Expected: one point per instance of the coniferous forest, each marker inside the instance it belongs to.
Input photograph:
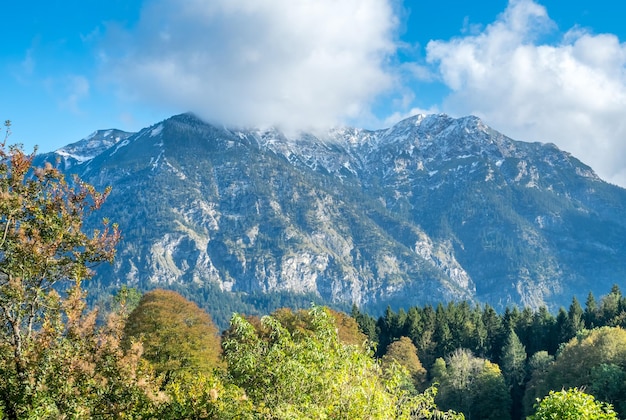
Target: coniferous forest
(159, 356)
(524, 353)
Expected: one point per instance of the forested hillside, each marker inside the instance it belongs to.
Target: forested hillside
(522, 354)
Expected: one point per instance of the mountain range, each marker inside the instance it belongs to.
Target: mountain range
(429, 210)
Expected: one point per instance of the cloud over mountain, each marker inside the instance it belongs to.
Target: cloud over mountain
(310, 64)
(571, 91)
(296, 64)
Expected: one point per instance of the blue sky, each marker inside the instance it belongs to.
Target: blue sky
(543, 70)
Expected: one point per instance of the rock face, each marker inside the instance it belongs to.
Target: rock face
(431, 209)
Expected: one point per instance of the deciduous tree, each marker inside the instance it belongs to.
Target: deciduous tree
(54, 361)
(404, 352)
(472, 385)
(176, 335)
(572, 404)
(296, 373)
(583, 362)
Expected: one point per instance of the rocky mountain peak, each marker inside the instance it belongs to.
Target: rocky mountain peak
(92, 145)
(432, 209)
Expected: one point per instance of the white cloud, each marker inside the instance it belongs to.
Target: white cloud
(298, 64)
(572, 92)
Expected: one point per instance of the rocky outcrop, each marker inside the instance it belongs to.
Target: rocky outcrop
(431, 209)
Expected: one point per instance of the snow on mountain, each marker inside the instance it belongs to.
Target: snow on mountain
(431, 209)
(86, 149)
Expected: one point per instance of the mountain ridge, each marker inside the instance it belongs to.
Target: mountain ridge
(431, 209)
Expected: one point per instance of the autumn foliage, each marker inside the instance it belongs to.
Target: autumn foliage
(52, 357)
(177, 336)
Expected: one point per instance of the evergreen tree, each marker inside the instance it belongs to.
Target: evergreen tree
(426, 344)
(481, 334)
(524, 329)
(414, 324)
(591, 312)
(385, 326)
(367, 325)
(513, 360)
(514, 371)
(610, 307)
(442, 333)
(562, 331)
(493, 326)
(576, 321)
(541, 332)
(510, 319)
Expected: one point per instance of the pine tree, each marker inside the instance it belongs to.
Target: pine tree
(562, 332)
(493, 325)
(514, 360)
(514, 371)
(575, 316)
(541, 332)
(610, 306)
(591, 312)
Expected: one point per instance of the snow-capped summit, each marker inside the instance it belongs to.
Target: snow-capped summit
(86, 149)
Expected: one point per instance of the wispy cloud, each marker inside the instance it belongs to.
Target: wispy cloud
(75, 89)
(571, 92)
(296, 64)
(28, 64)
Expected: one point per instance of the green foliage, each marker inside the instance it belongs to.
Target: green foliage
(310, 373)
(472, 385)
(126, 300)
(205, 396)
(491, 398)
(576, 321)
(301, 374)
(506, 338)
(540, 362)
(608, 383)
(367, 324)
(301, 321)
(513, 363)
(591, 308)
(514, 360)
(589, 360)
(572, 404)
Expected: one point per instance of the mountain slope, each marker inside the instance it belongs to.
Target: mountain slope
(84, 150)
(431, 209)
